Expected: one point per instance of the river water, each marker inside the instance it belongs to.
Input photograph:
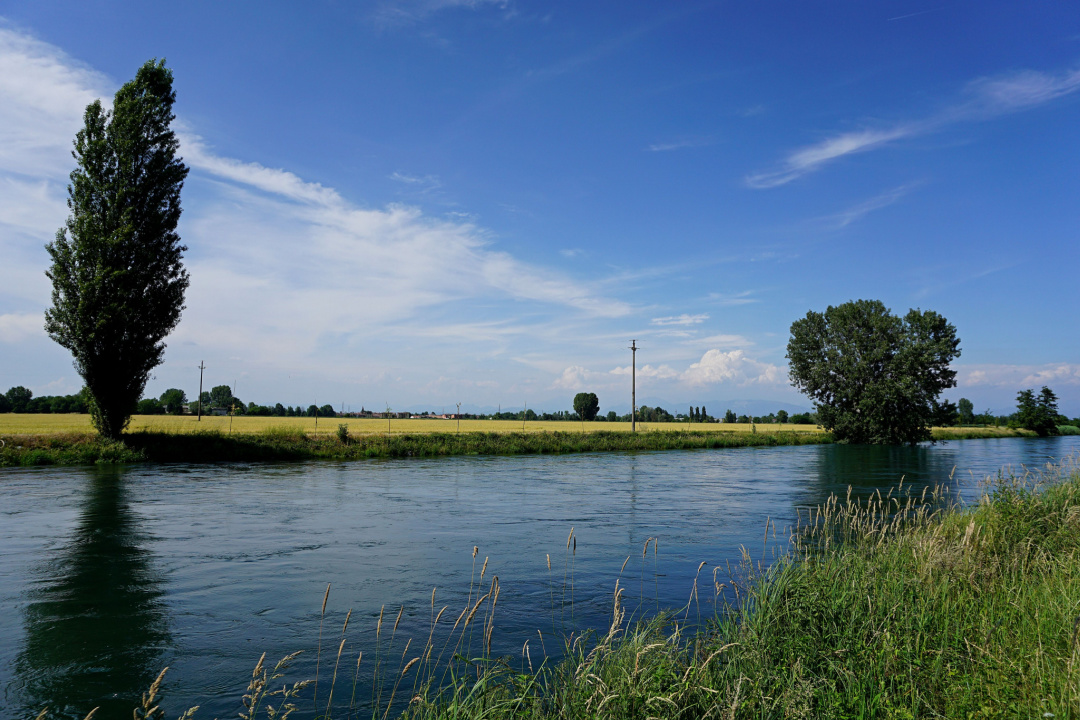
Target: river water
(109, 574)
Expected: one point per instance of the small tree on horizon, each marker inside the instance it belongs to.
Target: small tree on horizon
(174, 401)
(966, 410)
(586, 405)
(1038, 414)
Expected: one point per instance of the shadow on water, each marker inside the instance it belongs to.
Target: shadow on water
(962, 468)
(96, 623)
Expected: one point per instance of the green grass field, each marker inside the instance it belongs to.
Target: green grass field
(20, 424)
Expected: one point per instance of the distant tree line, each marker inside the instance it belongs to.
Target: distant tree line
(21, 400)
(1037, 412)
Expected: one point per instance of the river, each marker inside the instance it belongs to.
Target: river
(108, 574)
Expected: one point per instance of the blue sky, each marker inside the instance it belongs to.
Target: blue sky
(434, 201)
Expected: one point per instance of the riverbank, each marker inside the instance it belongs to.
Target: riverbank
(285, 444)
(887, 609)
(293, 444)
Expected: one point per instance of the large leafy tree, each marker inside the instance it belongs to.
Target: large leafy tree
(586, 405)
(118, 280)
(875, 377)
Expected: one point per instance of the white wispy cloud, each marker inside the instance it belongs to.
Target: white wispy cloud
(16, 327)
(683, 319)
(405, 12)
(1018, 377)
(724, 341)
(39, 87)
(680, 144)
(420, 184)
(275, 181)
(860, 210)
(982, 99)
(286, 273)
(810, 158)
(731, 299)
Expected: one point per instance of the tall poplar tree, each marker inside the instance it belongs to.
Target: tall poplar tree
(118, 280)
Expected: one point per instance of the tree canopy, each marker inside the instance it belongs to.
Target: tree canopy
(966, 411)
(875, 377)
(173, 400)
(1038, 413)
(586, 405)
(117, 276)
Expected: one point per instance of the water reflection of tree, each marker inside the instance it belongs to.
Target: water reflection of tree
(96, 623)
(869, 468)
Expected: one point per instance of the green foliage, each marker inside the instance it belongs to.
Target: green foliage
(586, 405)
(612, 416)
(656, 414)
(343, 432)
(875, 377)
(174, 401)
(730, 417)
(781, 416)
(118, 281)
(220, 396)
(966, 411)
(18, 399)
(1037, 413)
(945, 414)
(149, 406)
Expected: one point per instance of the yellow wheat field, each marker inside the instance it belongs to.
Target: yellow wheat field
(20, 424)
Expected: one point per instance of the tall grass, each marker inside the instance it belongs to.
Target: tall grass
(897, 606)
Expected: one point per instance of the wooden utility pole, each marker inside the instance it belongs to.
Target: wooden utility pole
(202, 366)
(633, 386)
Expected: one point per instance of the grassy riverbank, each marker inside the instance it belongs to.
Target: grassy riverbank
(881, 610)
(289, 444)
(45, 424)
